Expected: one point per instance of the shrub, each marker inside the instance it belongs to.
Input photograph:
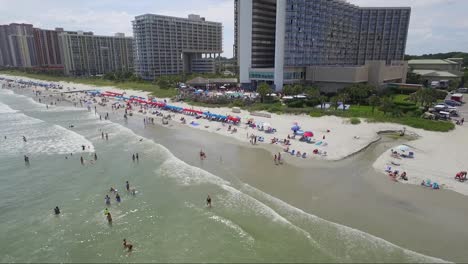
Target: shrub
(238, 103)
(295, 103)
(355, 121)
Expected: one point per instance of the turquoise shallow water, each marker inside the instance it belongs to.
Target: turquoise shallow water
(166, 221)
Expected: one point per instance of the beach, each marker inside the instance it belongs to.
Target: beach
(340, 191)
(337, 137)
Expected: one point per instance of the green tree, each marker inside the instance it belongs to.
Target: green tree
(387, 105)
(322, 99)
(343, 97)
(288, 90)
(298, 89)
(312, 92)
(263, 89)
(413, 78)
(334, 102)
(374, 101)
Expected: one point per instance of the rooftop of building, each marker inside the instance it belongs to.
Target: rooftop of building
(441, 74)
(190, 18)
(432, 61)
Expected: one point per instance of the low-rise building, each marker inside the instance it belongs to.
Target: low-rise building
(437, 70)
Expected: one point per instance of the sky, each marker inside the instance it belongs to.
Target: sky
(436, 25)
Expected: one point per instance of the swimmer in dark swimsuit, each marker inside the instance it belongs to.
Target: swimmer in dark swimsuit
(208, 201)
(127, 245)
(57, 210)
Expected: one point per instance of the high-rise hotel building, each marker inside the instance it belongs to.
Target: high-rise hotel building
(328, 42)
(170, 45)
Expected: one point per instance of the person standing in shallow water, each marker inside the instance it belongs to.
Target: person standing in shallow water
(133, 157)
(57, 210)
(95, 156)
(82, 160)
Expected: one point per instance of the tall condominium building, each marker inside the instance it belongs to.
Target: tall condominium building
(17, 47)
(328, 42)
(88, 54)
(48, 48)
(169, 45)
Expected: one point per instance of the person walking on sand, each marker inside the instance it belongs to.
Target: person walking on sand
(208, 201)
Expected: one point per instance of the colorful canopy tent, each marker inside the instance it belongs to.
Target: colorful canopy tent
(193, 111)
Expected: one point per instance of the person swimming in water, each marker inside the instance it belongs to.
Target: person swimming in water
(127, 185)
(127, 245)
(107, 198)
(106, 211)
(117, 198)
(26, 160)
(57, 210)
(133, 157)
(208, 201)
(82, 160)
(24, 139)
(95, 156)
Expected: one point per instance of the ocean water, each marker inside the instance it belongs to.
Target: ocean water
(167, 221)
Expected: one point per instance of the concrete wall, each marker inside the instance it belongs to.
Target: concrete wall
(380, 73)
(350, 74)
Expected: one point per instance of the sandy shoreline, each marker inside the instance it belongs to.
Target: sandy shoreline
(434, 161)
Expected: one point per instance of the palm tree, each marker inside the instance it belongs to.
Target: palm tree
(343, 97)
(323, 99)
(263, 89)
(334, 102)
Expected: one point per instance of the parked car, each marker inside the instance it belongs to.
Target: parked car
(452, 103)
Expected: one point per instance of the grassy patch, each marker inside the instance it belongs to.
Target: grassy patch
(97, 81)
(380, 117)
(355, 121)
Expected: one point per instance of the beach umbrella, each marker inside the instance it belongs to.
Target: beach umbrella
(308, 134)
(295, 128)
(403, 148)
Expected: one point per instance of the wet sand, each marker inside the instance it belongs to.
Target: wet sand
(349, 192)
